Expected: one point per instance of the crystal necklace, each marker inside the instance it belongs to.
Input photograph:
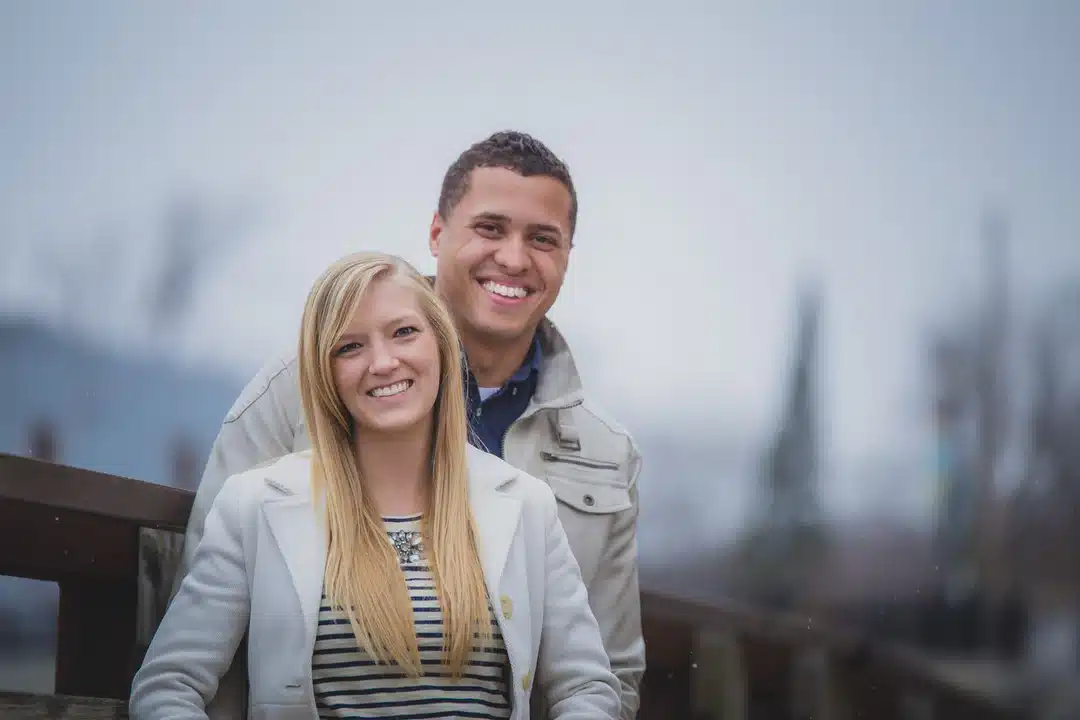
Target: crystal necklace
(409, 545)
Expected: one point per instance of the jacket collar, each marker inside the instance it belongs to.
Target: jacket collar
(301, 537)
(559, 384)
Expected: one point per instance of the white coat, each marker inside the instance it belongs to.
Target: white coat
(259, 570)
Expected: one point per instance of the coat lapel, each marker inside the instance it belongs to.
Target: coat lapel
(301, 540)
(497, 515)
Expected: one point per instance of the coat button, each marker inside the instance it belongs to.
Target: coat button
(589, 500)
(525, 679)
(507, 606)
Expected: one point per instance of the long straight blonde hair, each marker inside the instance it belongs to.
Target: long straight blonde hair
(363, 576)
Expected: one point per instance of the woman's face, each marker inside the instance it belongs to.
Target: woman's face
(386, 364)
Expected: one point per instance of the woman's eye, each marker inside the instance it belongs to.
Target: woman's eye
(405, 331)
(348, 347)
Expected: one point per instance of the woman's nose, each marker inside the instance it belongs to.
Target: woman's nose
(383, 359)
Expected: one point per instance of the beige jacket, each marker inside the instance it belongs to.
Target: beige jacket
(259, 572)
(590, 463)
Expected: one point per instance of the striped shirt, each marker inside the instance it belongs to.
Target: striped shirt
(348, 683)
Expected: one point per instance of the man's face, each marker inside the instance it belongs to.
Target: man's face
(502, 253)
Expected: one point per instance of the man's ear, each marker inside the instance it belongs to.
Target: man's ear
(435, 234)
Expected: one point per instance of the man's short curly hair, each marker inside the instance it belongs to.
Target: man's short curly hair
(511, 150)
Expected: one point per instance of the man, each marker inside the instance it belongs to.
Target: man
(502, 236)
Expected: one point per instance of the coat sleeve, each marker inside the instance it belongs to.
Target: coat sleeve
(578, 682)
(260, 426)
(616, 600)
(198, 636)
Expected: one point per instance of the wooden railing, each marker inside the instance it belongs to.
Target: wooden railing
(108, 543)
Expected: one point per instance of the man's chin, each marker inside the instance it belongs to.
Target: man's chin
(502, 332)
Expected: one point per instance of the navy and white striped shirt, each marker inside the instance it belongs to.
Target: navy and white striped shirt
(348, 683)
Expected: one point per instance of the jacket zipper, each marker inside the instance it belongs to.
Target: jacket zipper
(583, 462)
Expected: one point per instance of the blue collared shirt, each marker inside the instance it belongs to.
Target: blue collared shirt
(491, 418)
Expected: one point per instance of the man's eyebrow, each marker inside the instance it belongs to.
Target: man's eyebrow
(548, 229)
(495, 217)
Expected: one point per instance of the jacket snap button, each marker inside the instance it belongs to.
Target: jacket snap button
(507, 606)
(589, 500)
(525, 681)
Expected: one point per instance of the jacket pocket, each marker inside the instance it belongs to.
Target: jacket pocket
(589, 496)
(588, 470)
(579, 461)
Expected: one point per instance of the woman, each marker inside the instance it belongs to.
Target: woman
(392, 570)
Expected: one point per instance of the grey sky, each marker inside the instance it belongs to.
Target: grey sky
(720, 149)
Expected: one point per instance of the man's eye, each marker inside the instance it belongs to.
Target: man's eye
(546, 240)
(488, 229)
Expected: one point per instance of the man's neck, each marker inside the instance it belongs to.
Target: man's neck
(493, 363)
(396, 470)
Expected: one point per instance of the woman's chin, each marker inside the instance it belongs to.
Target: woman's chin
(401, 421)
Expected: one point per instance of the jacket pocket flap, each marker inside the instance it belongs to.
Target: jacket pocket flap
(589, 497)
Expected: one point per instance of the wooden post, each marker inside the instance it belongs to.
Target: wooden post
(817, 695)
(96, 634)
(769, 664)
(159, 556)
(719, 679)
(80, 529)
(865, 692)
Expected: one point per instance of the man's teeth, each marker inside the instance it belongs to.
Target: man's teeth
(394, 389)
(505, 290)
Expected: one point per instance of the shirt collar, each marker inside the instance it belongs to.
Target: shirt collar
(531, 364)
(523, 373)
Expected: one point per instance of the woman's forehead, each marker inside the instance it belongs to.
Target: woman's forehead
(386, 304)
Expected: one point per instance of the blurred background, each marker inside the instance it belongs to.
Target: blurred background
(827, 268)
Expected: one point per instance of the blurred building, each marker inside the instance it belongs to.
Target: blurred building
(66, 400)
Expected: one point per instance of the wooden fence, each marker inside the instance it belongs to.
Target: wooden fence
(109, 542)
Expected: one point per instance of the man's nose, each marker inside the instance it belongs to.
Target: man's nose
(513, 255)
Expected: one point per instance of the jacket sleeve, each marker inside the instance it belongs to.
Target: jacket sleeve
(616, 601)
(260, 426)
(198, 636)
(579, 684)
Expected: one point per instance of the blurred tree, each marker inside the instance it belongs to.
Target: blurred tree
(784, 547)
(1053, 490)
(43, 441)
(90, 277)
(195, 233)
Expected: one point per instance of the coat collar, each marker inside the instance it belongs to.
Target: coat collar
(300, 535)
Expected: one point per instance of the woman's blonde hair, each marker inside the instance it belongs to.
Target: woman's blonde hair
(363, 575)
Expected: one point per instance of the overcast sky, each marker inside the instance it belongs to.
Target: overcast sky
(720, 150)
